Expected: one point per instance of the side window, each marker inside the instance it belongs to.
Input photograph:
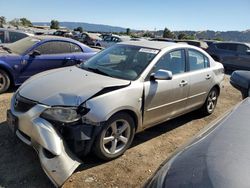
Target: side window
(108, 38)
(84, 36)
(75, 48)
(1, 37)
(221, 46)
(173, 61)
(55, 47)
(242, 49)
(197, 60)
(232, 47)
(15, 36)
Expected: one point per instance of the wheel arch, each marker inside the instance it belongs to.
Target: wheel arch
(217, 87)
(131, 113)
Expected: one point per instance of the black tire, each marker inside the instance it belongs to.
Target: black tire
(210, 103)
(4, 81)
(117, 142)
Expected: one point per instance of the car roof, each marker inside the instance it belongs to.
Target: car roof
(51, 37)
(152, 44)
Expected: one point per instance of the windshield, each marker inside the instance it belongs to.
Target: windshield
(121, 61)
(21, 46)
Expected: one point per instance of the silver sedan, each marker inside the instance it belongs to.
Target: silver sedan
(99, 106)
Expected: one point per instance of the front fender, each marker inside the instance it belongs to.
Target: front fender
(104, 106)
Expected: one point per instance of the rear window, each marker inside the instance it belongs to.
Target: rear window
(15, 36)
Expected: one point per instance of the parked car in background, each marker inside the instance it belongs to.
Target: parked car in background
(111, 40)
(99, 105)
(218, 156)
(233, 55)
(201, 44)
(104, 35)
(31, 55)
(9, 36)
(63, 33)
(209, 42)
(90, 39)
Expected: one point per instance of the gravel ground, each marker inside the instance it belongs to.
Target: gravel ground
(20, 166)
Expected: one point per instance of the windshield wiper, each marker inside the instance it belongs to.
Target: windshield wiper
(6, 48)
(96, 70)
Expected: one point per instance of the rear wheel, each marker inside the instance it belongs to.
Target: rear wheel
(211, 101)
(4, 81)
(115, 137)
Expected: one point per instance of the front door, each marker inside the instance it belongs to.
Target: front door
(165, 99)
(243, 57)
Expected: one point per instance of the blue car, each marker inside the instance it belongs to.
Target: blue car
(31, 55)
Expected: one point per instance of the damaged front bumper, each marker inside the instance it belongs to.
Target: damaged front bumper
(56, 159)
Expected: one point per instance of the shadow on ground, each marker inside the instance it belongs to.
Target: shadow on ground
(20, 166)
(91, 161)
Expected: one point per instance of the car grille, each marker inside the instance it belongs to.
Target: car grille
(22, 104)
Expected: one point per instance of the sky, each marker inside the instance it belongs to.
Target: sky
(198, 15)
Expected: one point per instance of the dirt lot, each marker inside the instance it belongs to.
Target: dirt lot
(20, 167)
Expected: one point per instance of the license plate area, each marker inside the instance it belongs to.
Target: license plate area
(12, 121)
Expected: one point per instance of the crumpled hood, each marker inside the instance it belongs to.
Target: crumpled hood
(66, 86)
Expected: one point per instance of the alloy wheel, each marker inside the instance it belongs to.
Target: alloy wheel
(116, 137)
(2, 81)
(211, 101)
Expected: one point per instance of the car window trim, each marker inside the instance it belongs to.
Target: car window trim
(147, 78)
(52, 41)
(187, 55)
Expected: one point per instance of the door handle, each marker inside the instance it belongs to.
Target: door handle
(24, 62)
(78, 61)
(183, 83)
(67, 59)
(208, 76)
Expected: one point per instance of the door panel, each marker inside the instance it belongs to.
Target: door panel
(201, 78)
(200, 84)
(165, 99)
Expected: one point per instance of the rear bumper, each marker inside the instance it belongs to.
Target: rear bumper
(57, 161)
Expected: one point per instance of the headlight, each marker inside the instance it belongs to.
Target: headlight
(62, 114)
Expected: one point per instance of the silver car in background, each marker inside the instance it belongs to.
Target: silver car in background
(99, 106)
(111, 40)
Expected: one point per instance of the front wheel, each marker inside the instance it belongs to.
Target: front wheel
(211, 101)
(4, 81)
(115, 137)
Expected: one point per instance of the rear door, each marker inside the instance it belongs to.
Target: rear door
(200, 78)
(166, 98)
(53, 54)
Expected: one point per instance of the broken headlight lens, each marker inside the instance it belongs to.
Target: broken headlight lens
(61, 114)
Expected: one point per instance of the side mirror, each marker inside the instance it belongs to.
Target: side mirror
(248, 52)
(162, 75)
(35, 53)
